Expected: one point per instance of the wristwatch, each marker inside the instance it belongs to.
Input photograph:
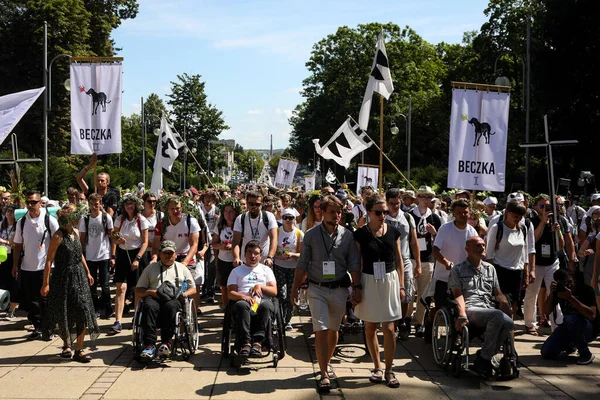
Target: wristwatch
(113, 257)
(359, 286)
(138, 258)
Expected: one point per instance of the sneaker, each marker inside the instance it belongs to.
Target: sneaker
(585, 359)
(35, 335)
(149, 352)
(116, 328)
(289, 327)
(211, 300)
(402, 332)
(164, 350)
(419, 331)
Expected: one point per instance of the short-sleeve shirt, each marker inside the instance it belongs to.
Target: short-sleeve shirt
(421, 221)
(374, 249)
(98, 242)
(255, 229)
(34, 250)
(225, 235)
(288, 241)
(131, 231)
(179, 233)
(155, 274)
(478, 285)
(451, 241)
(405, 226)
(246, 277)
(512, 248)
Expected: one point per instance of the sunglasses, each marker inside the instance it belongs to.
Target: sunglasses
(151, 201)
(253, 204)
(288, 218)
(32, 202)
(379, 213)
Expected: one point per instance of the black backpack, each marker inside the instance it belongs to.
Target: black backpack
(500, 230)
(46, 224)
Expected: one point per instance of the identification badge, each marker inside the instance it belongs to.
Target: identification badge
(422, 243)
(328, 269)
(546, 250)
(379, 270)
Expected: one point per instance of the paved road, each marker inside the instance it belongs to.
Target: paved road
(33, 370)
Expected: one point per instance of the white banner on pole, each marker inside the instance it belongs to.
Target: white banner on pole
(285, 173)
(95, 108)
(12, 108)
(367, 176)
(167, 150)
(478, 138)
(309, 183)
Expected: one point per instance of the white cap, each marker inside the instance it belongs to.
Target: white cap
(141, 184)
(490, 200)
(44, 199)
(290, 211)
(595, 196)
(515, 196)
(51, 203)
(591, 210)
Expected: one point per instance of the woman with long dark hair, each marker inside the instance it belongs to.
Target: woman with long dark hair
(129, 244)
(67, 285)
(221, 241)
(315, 215)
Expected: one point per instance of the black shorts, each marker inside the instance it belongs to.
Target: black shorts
(225, 269)
(510, 281)
(123, 272)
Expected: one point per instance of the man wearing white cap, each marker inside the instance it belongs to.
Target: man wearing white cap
(490, 208)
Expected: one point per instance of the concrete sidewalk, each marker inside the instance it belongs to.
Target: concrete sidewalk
(33, 370)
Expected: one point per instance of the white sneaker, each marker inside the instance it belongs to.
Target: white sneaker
(164, 350)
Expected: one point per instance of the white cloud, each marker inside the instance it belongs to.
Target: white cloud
(288, 113)
(255, 112)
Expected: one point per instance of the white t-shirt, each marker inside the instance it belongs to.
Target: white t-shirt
(288, 241)
(6, 235)
(359, 211)
(530, 231)
(304, 227)
(226, 234)
(211, 215)
(451, 241)
(34, 257)
(179, 233)
(246, 278)
(152, 221)
(512, 249)
(131, 232)
(254, 229)
(98, 242)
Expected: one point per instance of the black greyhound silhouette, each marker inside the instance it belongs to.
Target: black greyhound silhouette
(286, 173)
(481, 129)
(98, 99)
(368, 181)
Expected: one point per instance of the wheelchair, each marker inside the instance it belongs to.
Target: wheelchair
(185, 339)
(451, 348)
(275, 342)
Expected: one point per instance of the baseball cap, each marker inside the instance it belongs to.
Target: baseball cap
(290, 211)
(194, 191)
(592, 210)
(168, 245)
(341, 194)
(490, 200)
(595, 196)
(515, 196)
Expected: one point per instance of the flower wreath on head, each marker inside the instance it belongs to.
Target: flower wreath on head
(233, 203)
(131, 197)
(82, 211)
(186, 206)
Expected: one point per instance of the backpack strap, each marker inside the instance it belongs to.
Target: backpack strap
(265, 219)
(499, 233)
(86, 222)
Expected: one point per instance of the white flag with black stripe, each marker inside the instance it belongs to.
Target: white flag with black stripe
(380, 81)
(167, 150)
(346, 142)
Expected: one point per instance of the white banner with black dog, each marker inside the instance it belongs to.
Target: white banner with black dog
(478, 138)
(95, 108)
(367, 176)
(285, 173)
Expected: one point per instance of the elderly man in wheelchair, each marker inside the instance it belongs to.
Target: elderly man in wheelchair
(249, 287)
(162, 291)
(474, 286)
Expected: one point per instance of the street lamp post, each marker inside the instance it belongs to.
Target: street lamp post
(47, 100)
(394, 130)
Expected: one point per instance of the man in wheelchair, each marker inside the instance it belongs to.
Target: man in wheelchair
(160, 290)
(474, 285)
(248, 288)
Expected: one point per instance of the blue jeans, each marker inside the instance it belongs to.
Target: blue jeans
(575, 329)
(497, 327)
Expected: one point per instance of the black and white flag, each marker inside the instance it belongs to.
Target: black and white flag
(12, 108)
(330, 177)
(367, 176)
(167, 150)
(285, 173)
(380, 81)
(346, 142)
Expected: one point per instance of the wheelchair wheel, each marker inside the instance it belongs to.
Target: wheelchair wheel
(226, 348)
(191, 326)
(137, 333)
(441, 337)
(279, 331)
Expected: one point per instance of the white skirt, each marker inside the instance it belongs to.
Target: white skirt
(380, 299)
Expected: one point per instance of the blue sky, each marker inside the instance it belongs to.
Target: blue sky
(252, 53)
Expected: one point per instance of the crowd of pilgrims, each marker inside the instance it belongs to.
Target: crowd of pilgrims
(384, 251)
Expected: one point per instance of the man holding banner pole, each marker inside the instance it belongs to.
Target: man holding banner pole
(109, 198)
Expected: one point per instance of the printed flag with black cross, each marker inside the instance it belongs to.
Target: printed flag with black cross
(167, 150)
(380, 81)
(346, 142)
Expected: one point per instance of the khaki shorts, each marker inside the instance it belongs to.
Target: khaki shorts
(327, 307)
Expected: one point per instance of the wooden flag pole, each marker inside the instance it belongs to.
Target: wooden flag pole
(381, 143)
(95, 181)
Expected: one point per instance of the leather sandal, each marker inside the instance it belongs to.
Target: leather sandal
(330, 372)
(66, 352)
(245, 350)
(81, 357)
(375, 377)
(324, 387)
(256, 350)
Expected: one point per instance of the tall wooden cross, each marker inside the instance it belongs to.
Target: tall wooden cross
(550, 161)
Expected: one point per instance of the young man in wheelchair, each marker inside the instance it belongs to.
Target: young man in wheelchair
(248, 287)
(159, 289)
(474, 285)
